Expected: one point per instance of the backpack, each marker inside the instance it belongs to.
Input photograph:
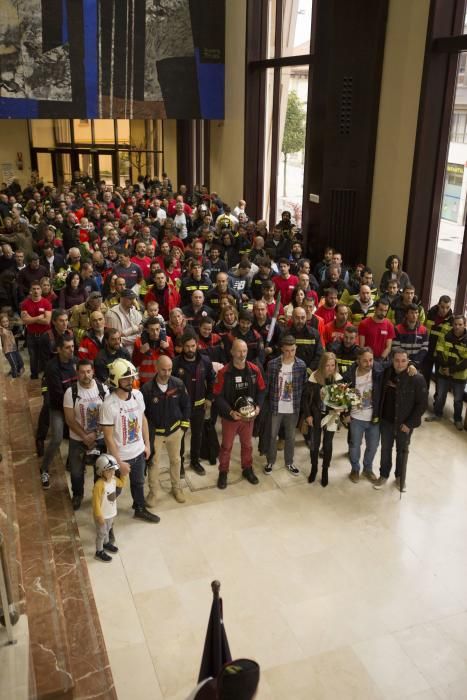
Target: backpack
(75, 395)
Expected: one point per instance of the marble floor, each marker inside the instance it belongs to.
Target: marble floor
(338, 593)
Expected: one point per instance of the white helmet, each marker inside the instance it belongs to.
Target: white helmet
(121, 369)
(105, 461)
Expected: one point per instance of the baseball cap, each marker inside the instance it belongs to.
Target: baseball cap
(128, 294)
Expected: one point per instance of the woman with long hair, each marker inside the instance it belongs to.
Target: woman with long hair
(228, 319)
(314, 410)
(73, 292)
(176, 327)
(297, 299)
(393, 271)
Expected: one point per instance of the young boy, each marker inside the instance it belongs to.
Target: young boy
(104, 504)
(10, 347)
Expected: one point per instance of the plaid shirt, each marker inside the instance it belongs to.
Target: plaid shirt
(299, 377)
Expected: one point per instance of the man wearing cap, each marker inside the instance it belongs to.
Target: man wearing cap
(126, 319)
(237, 381)
(126, 432)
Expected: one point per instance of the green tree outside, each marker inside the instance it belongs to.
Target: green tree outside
(293, 139)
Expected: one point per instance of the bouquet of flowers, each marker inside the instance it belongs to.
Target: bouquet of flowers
(339, 398)
(60, 279)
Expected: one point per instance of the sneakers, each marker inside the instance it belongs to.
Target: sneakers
(268, 469)
(76, 502)
(459, 425)
(249, 475)
(102, 556)
(397, 484)
(198, 468)
(144, 514)
(110, 547)
(222, 480)
(178, 495)
(39, 447)
(379, 483)
(292, 469)
(45, 480)
(432, 419)
(354, 477)
(370, 475)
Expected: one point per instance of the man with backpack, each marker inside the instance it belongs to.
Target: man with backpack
(81, 406)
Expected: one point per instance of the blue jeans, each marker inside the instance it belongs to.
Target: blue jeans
(57, 422)
(358, 429)
(138, 465)
(443, 384)
(391, 434)
(15, 361)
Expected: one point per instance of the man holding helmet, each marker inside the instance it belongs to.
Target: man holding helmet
(126, 432)
(239, 395)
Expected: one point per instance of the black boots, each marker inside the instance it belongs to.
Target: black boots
(324, 476)
(313, 473)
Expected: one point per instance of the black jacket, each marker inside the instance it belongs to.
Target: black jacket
(224, 391)
(198, 377)
(411, 397)
(58, 378)
(167, 411)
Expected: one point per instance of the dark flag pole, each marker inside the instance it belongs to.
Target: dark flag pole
(216, 651)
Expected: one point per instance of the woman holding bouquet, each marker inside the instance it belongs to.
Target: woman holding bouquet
(318, 416)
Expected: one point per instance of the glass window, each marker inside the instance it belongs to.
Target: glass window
(123, 128)
(82, 129)
(296, 27)
(62, 130)
(104, 131)
(292, 130)
(453, 207)
(65, 163)
(105, 168)
(42, 133)
(271, 51)
(124, 166)
(268, 134)
(44, 167)
(85, 164)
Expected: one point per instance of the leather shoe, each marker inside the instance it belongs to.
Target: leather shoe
(198, 468)
(250, 476)
(222, 480)
(39, 447)
(144, 514)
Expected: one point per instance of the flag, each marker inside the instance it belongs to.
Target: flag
(216, 647)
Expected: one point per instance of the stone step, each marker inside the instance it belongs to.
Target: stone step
(69, 655)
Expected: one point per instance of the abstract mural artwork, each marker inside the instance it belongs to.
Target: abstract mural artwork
(128, 59)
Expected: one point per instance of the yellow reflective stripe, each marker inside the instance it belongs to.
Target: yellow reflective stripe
(199, 403)
(305, 341)
(185, 423)
(175, 425)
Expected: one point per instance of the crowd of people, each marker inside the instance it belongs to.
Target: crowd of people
(147, 311)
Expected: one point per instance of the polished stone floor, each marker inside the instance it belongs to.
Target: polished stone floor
(338, 593)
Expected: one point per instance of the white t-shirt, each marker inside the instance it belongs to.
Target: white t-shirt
(364, 387)
(286, 388)
(127, 419)
(86, 408)
(109, 499)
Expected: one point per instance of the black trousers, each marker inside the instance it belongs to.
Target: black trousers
(196, 425)
(328, 437)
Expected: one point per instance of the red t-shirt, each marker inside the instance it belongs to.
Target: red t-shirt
(285, 287)
(36, 308)
(271, 307)
(328, 315)
(376, 334)
(144, 264)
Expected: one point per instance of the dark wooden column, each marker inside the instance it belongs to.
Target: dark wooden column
(185, 152)
(342, 124)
